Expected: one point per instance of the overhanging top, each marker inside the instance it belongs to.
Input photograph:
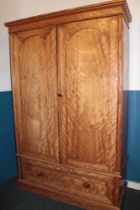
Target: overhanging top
(106, 9)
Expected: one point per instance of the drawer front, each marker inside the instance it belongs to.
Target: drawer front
(102, 189)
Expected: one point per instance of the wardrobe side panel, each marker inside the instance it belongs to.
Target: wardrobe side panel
(125, 77)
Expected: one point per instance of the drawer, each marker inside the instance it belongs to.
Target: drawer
(102, 189)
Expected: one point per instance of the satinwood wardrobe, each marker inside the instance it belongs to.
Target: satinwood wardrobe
(69, 74)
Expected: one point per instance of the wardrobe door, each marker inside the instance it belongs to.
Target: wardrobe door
(88, 86)
(35, 93)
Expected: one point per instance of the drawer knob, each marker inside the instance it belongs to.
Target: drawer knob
(60, 94)
(39, 173)
(86, 185)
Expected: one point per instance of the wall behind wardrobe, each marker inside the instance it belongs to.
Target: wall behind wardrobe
(15, 9)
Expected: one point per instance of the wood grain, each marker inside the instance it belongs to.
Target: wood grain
(107, 9)
(35, 94)
(125, 88)
(99, 189)
(64, 197)
(69, 71)
(66, 168)
(88, 53)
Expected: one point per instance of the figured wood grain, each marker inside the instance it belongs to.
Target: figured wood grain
(100, 10)
(124, 60)
(67, 168)
(64, 197)
(68, 74)
(34, 87)
(88, 54)
(98, 189)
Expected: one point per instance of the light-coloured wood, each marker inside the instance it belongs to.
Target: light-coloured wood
(35, 92)
(66, 168)
(125, 82)
(88, 54)
(99, 189)
(64, 197)
(100, 10)
(69, 72)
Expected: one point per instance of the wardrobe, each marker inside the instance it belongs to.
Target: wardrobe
(69, 75)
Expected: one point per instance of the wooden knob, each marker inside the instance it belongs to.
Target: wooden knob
(86, 185)
(60, 94)
(39, 173)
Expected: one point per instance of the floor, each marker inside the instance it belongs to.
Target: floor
(12, 198)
